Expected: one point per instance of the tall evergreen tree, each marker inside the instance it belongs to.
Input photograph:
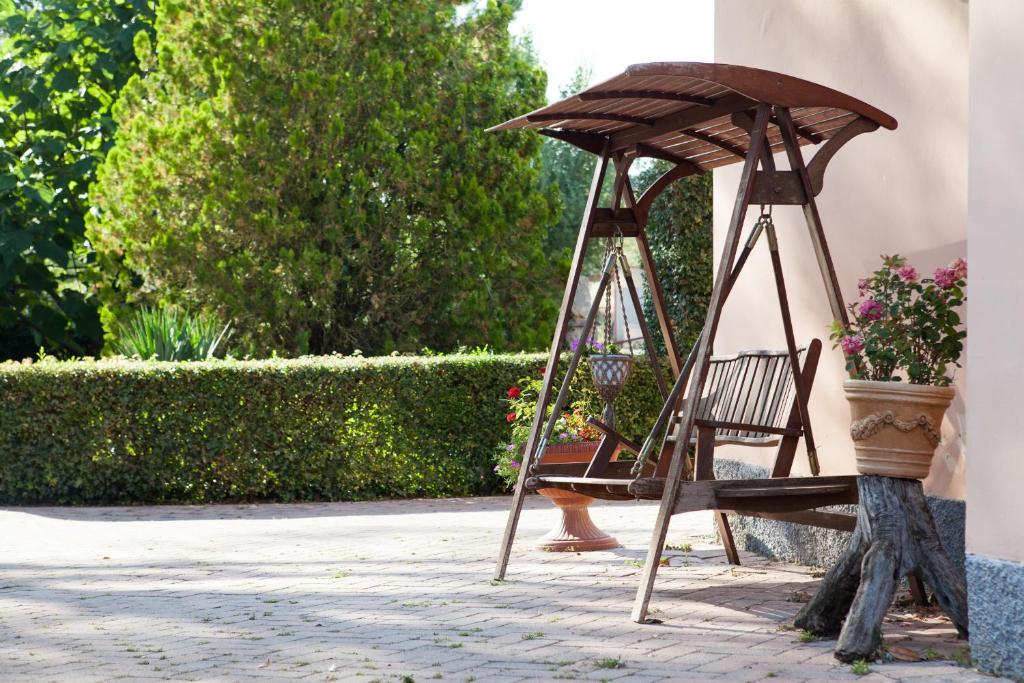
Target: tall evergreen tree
(567, 171)
(318, 172)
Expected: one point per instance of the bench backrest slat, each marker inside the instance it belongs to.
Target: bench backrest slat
(753, 388)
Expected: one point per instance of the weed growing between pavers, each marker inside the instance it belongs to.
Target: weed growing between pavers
(610, 663)
(860, 667)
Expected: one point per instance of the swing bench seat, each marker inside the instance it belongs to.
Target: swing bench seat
(749, 400)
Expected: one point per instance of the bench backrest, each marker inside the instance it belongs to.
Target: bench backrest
(752, 388)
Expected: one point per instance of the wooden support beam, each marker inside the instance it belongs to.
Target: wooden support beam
(608, 222)
(645, 150)
(595, 95)
(778, 187)
(589, 142)
(668, 500)
(744, 120)
(816, 168)
(825, 520)
(686, 118)
(643, 205)
(561, 329)
(657, 295)
(599, 230)
(813, 218)
(589, 116)
(733, 149)
(622, 164)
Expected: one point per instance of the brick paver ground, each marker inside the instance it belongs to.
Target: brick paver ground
(398, 591)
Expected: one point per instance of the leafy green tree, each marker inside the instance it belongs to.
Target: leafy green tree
(680, 233)
(320, 175)
(63, 63)
(567, 170)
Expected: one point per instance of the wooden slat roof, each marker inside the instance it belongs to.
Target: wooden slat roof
(685, 112)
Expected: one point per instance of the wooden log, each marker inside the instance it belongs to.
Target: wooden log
(895, 536)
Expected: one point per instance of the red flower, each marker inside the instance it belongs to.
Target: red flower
(543, 370)
(513, 392)
(511, 417)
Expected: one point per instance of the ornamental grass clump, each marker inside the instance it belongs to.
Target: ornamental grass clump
(903, 327)
(169, 334)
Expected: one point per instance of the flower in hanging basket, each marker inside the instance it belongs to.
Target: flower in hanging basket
(592, 347)
(514, 392)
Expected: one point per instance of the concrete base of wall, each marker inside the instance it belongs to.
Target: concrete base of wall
(821, 547)
(995, 601)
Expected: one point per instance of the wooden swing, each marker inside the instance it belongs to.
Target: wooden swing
(699, 117)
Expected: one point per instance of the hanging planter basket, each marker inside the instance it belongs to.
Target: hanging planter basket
(610, 371)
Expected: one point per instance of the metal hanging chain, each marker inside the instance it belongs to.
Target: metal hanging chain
(609, 248)
(621, 272)
(764, 223)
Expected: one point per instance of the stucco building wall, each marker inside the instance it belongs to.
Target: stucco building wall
(902, 191)
(918, 191)
(995, 535)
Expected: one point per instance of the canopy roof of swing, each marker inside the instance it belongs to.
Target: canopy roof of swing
(687, 112)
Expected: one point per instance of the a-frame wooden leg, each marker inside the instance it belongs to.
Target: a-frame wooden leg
(668, 499)
(784, 454)
(561, 328)
(725, 531)
(811, 215)
(705, 469)
(654, 285)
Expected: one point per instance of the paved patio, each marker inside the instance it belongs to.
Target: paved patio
(399, 590)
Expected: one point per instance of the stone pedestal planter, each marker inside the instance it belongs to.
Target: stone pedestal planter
(575, 530)
(896, 426)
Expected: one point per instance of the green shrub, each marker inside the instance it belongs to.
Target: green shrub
(323, 428)
(679, 229)
(170, 334)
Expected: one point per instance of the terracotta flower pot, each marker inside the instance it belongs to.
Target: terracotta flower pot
(575, 530)
(896, 426)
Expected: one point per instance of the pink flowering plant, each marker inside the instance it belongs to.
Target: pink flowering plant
(904, 327)
(571, 426)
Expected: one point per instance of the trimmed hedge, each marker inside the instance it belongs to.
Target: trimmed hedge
(318, 428)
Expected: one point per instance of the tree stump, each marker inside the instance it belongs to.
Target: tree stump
(895, 536)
